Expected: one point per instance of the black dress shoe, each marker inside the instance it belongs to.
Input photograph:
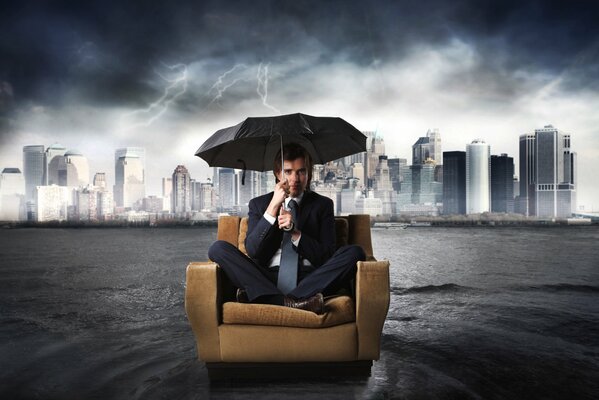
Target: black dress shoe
(314, 303)
(242, 296)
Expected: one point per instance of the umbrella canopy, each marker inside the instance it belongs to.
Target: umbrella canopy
(254, 143)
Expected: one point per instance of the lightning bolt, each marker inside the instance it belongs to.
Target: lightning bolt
(262, 88)
(241, 73)
(176, 87)
(220, 87)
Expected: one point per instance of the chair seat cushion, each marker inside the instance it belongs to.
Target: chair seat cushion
(338, 310)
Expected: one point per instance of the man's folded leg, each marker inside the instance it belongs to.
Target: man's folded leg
(337, 272)
(242, 271)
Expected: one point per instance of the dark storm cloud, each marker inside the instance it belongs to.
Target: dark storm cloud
(107, 52)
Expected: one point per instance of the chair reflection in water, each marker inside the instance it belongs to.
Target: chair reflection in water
(240, 340)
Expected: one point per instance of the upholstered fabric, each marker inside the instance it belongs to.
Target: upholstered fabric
(372, 304)
(243, 230)
(202, 306)
(341, 232)
(252, 343)
(359, 233)
(228, 229)
(338, 310)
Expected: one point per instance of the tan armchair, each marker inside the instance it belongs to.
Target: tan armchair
(257, 340)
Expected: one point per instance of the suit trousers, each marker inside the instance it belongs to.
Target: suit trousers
(259, 280)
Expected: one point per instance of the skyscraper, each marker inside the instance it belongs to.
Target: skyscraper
(34, 169)
(129, 184)
(478, 177)
(12, 195)
(383, 189)
(454, 182)
(502, 184)
(375, 146)
(52, 157)
(419, 186)
(227, 188)
(526, 202)
(555, 173)
(181, 194)
(252, 187)
(396, 168)
(131, 151)
(73, 169)
(427, 147)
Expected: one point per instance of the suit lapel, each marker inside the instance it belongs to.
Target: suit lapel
(305, 208)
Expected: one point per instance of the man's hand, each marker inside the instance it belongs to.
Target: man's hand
(280, 193)
(285, 219)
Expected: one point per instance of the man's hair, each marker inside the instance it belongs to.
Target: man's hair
(293, 151)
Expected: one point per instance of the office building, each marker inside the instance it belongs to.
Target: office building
(369, 205)
(73, 169)
(100, 181)
(478, 177)
(53, 154)
(454, 182)
(375, 147)
(181, 193)
(87, 204)
(252, 187)
(427, 148)
(129, 186)
(526, 201)
(396, 168)
(383, 189)
(419, 187)
(227, 190)
(52, 203)
(34, 169)
(12, 195)
(502, 184)
(555, 176)
(105, 205)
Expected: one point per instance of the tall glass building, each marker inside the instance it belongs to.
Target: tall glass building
(502, 184)
(454, 182)
(34, 169)
(526, 202)
(478, 177)
(129, 184)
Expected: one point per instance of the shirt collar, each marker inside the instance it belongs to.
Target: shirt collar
(298, 199)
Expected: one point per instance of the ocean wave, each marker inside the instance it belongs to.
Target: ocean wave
(446, 287)
(560, 287)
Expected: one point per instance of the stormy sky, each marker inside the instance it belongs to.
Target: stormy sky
(95, 76)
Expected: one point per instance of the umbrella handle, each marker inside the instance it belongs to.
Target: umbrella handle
(282, 173)
(244, 169)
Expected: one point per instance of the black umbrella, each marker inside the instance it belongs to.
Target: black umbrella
(254, 143)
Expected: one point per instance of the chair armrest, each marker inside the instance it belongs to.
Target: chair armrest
(372, 304)
(203, 302)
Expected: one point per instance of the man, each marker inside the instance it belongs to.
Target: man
(271, 275)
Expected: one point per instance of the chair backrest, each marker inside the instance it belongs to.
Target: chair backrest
(351, 229)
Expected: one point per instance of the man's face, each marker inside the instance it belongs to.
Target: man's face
(294, 172)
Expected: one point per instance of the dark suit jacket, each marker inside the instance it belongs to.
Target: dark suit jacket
(316, 222)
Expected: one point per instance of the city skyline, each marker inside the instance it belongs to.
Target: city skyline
(489, 71)
(157, 184)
